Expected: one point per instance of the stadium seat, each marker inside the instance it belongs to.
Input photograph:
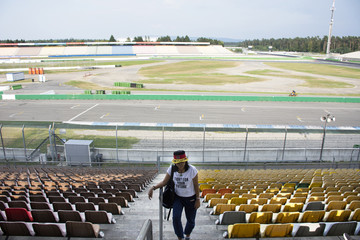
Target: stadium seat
(222, 191)
(293, 207)
(206, 191)
(349, 199)
(121, 201)
(49, 229)
(17, 229)
(111, 208)
(336, 205)
(70, 215)
(261, 217)
(275, 208)
(312, 216)
(101, 217)
(259, 201)
(96, 200)
(125, 195)
(221, 208)
(83, 229)
(62, 206)
(18, 214)
(18, 204)
(338, 216)
(76, 199)
(308, 230)
(248, 208)
(287, 217)
(278, 200)
(278, 230)
(339, 228)
(229, 196)
(83, 206)
(355, 215)
(211, 195)
(314, 206)
(231, 217)
(243, 230)
(212, 203)
(44, 216)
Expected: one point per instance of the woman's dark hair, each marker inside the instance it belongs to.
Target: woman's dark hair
(186, 167)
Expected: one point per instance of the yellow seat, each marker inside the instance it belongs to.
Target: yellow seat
(211, 195)
(289, 185)
(338, 216)
(315, 184)
(278, 230)
(354, 205)
(317, 189)
(248, 208)
(316, 199)
(219, 186)
(287, 217)
(244, 230)
(249, 195)
(257, 191)
(261, 217)
(334, 198)
(237, 200)
(336, 205)
(287, 190)
(214, 201)
(297, 200)
(275, 208)
(312, 216)
(293, 207)
(241, 191)
(204, 186)
(356, 215)
(317, 194)
(272, 190)
(278, 200)
(221, 208)
(229, 196)
(300, 194)
(260, 201)
(266, 195)
(351, 198)
(285, 195)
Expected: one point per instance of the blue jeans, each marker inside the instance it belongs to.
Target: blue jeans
(190, 212)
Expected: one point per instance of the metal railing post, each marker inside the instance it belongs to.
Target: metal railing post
(2, 142)
(116, 138)
(246, 140)
(203, 152)
(51, 146)
(23, 135)
(283, 152)
(161, 220)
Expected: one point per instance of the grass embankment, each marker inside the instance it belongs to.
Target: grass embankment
(312, 81)
(13, 138)
(194, 72)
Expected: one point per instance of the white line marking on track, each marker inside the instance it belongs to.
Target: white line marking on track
(74, 106)
(299, 118)
(83, 112)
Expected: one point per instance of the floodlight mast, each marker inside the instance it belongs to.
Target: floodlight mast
(332, 9)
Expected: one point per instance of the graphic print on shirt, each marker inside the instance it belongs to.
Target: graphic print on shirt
(181, 182)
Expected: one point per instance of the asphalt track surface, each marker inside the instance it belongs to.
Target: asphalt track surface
(206, 112)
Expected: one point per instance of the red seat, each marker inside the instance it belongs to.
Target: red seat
(18, 214)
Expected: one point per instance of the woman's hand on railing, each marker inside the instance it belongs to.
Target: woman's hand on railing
(150, 193)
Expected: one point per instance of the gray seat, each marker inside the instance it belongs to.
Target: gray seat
(44, 216)
(70, 215)
(339, 228)
(49, 229)
(231, 217)
(308, 230)
(99, 217)
(83, 229)
(313, 206)
(17, 228)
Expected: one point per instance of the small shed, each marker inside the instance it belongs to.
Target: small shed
(79, 152)
(12, 77)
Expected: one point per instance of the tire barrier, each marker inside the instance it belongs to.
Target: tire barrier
(117, 92)
(16, 87)
(127, 84)
(34, 71)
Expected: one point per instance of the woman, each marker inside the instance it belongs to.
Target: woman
(186, 193)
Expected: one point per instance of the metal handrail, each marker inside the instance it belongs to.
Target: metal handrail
(146, 232)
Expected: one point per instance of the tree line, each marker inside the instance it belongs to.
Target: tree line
(309, 44)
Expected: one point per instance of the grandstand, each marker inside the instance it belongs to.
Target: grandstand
(237, 203)
(108, 49)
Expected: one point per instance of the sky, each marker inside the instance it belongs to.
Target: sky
(234, 19)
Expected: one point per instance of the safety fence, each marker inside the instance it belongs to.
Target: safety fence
(176, 97)
(36, 142)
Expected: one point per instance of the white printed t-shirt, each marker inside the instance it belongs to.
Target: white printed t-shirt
(184, 185)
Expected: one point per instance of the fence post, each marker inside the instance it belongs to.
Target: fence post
(55, 147)
(23, 135)
(2, 142)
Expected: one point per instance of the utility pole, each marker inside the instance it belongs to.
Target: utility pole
(332, 9)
